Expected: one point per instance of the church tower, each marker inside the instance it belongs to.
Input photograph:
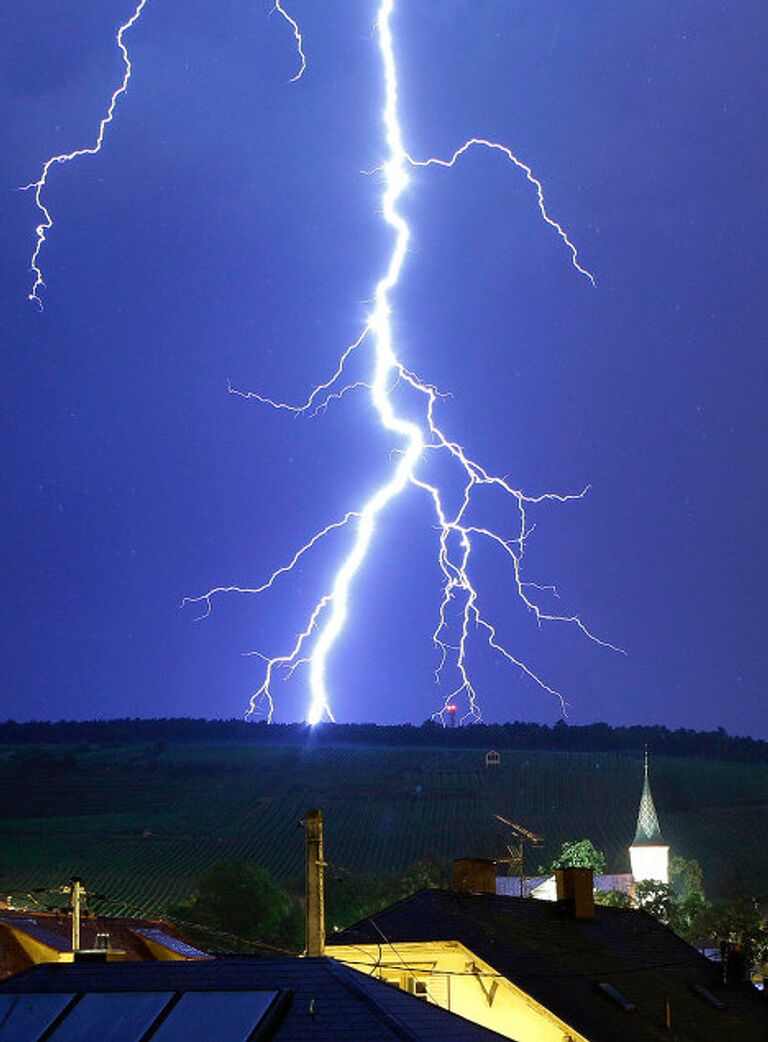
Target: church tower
(649, 854)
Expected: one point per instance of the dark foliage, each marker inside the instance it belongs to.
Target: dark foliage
(238, 906)
(578, 853)
(588, 738)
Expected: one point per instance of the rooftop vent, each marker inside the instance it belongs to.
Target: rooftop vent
(615, 996)
(706, 994)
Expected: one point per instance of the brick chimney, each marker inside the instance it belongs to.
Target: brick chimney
(575, 891)
(474, 875)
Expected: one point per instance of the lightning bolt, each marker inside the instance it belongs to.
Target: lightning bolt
(297, 36)
(47, 220)
(497, 147)
(415, 442)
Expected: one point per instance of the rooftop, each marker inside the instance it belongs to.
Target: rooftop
(286, 1000)
(139, 939)
(607, 977)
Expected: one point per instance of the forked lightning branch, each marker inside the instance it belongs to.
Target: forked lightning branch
(461, 623)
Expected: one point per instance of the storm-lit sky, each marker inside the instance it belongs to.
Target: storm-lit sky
(227, 232)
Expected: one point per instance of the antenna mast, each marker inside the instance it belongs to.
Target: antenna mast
(516, 849)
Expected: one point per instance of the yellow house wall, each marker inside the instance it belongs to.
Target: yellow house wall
(469, 987)
(161, 953)
(39, 952)
(36, 950)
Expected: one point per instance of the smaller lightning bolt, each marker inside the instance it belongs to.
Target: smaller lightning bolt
(206, 597)
(298, 37)
(496, 146)
(318, 401)
(47, 222)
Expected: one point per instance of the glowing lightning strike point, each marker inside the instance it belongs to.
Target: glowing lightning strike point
(456, 537)
(298, 37)
(47, 222)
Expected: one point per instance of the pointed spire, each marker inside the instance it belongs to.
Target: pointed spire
(648, 832)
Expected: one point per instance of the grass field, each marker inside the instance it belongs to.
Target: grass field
(140, 824)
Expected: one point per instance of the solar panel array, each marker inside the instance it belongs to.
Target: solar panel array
(135, 1016)
(39, 932)
(153, 933)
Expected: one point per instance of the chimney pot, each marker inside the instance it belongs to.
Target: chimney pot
(575, 891)
(474, 875)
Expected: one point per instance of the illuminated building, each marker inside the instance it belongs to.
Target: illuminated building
(550, 971)
(649, 854)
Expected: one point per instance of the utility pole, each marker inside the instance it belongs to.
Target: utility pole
(76, 891)
(315, 883)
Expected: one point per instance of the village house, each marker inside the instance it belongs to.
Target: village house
(28, 938)
(541, 971)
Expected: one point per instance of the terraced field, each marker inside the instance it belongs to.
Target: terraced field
(141, 823)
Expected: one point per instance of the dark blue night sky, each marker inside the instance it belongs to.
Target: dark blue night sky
(227, 232)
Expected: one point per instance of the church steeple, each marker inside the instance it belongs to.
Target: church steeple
(648, 833)
(649, 853)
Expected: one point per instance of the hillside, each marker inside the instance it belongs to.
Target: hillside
(140, 823)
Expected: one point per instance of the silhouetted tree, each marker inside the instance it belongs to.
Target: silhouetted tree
(740, 924)
(242, 903)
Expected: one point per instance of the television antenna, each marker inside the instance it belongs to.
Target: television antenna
(515, 845)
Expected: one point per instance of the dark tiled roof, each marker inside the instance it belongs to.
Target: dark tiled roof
(348, 1006)
(561, 962)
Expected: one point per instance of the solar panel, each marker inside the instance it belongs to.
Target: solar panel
(171, 943)
(23, 1018)
(122, 1016)
(227, 1016)
(41, 933)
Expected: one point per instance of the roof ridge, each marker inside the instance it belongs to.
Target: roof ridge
(395, 904)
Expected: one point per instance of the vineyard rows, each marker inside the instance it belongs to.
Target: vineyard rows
(141, 824)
